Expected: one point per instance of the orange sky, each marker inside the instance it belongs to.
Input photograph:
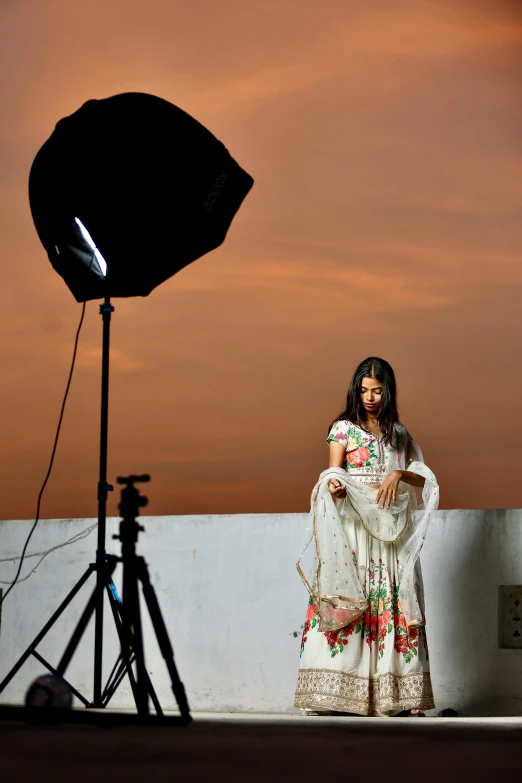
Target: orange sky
(385, 142)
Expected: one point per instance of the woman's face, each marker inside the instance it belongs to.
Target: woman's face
(371, 393)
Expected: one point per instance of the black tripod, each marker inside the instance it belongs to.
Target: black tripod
(135, 572)
(103, 567)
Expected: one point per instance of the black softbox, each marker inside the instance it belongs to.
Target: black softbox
(141, 181)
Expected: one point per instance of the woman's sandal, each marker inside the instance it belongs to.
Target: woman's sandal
(410, 714)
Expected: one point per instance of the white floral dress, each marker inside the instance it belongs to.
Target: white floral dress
(376, 665)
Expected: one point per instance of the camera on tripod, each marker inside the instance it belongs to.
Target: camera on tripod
(131, 502)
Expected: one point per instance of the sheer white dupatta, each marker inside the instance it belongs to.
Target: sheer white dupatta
(326, 565)
(410, 544)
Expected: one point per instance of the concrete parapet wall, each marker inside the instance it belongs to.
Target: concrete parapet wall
(234, 607)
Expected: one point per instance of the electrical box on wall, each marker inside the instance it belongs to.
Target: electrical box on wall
(510, 617)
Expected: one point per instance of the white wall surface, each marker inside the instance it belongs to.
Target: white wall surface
(234, 607)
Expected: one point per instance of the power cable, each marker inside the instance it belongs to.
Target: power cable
(53, 454)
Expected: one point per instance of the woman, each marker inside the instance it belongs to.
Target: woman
(364, 647)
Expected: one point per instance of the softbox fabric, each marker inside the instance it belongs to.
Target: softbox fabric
(154, 189)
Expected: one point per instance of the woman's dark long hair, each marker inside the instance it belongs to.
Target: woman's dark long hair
(388, 411)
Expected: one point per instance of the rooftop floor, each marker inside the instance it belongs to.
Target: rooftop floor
(257, 747)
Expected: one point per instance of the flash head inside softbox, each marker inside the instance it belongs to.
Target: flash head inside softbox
(127, 191)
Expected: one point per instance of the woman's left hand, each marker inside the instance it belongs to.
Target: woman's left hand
(387, 493)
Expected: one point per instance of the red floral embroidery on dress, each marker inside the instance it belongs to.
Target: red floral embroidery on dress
(382, 618)
(406, 639)
(360, 445)
(312, 618)
(359, 457)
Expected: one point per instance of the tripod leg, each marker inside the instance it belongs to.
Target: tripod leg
(77, 634)
(30, 650)
(132, 635)
(121, 669)
(124, 666)
(93, 603)
(119, 672)
(163, 638)
(124, 660)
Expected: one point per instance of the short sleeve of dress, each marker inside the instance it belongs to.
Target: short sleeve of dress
(338, 433)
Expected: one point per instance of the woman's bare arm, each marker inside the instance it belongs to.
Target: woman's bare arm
(412, 478)
(337, 452)
(406, 475)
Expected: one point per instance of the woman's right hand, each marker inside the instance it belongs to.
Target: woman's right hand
(337, 490)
